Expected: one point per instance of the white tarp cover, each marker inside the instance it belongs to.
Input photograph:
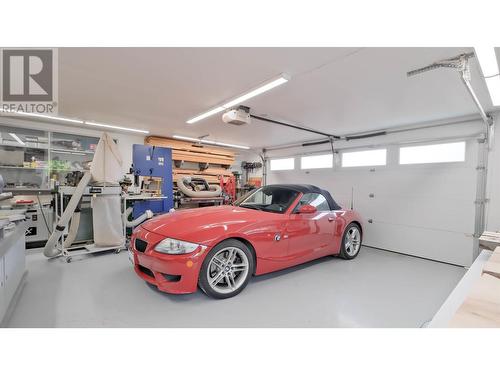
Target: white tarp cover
(107, 220)
(107, 163)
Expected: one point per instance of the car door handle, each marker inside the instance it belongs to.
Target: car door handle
(331, 218)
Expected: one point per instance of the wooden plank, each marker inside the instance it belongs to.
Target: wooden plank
(489, 240)
(207, 172)
(457, 297)
(481, 308)
(203, 154)
(492, 266)
(197, 158)
(179, 145)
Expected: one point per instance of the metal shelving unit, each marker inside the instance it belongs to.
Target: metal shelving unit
(69, 153)
(24, 157)
(32, 158)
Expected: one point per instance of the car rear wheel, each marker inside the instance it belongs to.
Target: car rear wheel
(351, 242)
(226, 270)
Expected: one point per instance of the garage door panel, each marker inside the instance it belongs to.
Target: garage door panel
(418, 211)
(396, 202)
(452, 247)
(411, 208)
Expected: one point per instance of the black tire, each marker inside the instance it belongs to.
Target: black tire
(344, 253)
(203, 280)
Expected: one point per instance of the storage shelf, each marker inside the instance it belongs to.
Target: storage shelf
(26, 168)
(44, 168)
(73, 152)
(17, 145)
(60, 154)
(68, 170)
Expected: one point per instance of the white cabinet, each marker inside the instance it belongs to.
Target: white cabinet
(3, 306)
(12, 265)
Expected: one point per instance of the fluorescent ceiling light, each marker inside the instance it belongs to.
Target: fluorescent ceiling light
(57, 118)
(50, 117)
(240, 99)
(13, 135)
(43, 116)
(231, 145)
(209, 142)
(488, 60)
(205, 115)
(115, 127)
(257, 91)
(192, 139)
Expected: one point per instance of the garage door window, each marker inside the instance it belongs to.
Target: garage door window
(364, 158)
(315, 200)
(282, 164)
(440, 153)
(316, 161)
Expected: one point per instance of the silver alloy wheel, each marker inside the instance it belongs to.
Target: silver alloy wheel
(227, 270)
(352, 241)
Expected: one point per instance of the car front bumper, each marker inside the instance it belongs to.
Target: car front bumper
(176, 274)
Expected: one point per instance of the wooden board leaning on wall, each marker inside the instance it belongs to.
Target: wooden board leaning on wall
(219, 159)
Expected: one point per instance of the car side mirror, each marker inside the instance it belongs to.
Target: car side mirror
(307, 209)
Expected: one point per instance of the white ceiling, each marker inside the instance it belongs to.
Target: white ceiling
(336, 90)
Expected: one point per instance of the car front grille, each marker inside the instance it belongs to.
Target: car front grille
(172, 278)
(146, 271)
(140, 245)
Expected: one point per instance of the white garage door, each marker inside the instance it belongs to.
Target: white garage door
(426, 210)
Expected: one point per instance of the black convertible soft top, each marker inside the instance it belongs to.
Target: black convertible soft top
(304, 188)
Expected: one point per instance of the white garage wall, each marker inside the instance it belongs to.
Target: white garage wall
(423, 210)
(125, 140)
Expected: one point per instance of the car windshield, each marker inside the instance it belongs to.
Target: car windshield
(269, 198)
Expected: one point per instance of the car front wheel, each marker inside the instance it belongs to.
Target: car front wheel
(226, 270)
(351, 242)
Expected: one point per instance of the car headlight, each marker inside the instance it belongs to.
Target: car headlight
(171, 246)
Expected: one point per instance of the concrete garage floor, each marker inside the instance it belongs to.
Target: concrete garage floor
(377, 289)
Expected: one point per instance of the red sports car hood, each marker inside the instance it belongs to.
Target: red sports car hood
(205, 225)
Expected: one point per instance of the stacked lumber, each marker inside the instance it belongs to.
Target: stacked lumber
(492, 266)
(197, 160)
(481, 307)
(489, 240)
(192, 152)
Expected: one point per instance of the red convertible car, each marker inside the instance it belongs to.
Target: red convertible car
(219, 248)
